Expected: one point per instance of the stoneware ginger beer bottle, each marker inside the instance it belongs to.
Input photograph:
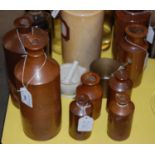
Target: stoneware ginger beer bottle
(80, 118)
(120, 117)
(38, 81)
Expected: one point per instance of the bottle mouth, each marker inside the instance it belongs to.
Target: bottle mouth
(121, 75)
(136, 30)
(90, 78)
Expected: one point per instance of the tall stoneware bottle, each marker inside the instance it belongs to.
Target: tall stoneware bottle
(80, 109)
(91, 87)
(120, 116)
(14, 51)
(133, 50)
(119, 83)
(124, 18)
(38, 82)
(81, 35)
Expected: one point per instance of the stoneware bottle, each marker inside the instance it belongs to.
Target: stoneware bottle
(79, 109)
(120, 117)
(119, 83)
(91, 87)
(38, 82)
(133, 48)
(124, 18)
(81, 35)
(14, 51)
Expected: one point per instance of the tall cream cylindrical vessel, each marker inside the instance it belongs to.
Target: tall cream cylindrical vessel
(82, 32)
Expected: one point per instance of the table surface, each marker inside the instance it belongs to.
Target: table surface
(143, 128)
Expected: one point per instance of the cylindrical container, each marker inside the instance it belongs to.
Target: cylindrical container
(107, 29)
(91, 87)
(119, 83)
(120, 116)
(133, 48)
(124, 18)
(81, 35)
(38, 82)
(79, 109)
(42, 19)
(14, 51)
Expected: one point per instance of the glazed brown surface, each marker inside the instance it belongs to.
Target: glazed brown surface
(43, 120)
(120, 117)
(122, 19)
(92, 88)
(75, 113)
(133, 48)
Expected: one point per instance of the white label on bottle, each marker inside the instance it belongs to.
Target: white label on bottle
(54, 13)
(26, 97)
(63, 29)
(150, 35)
(85, 124)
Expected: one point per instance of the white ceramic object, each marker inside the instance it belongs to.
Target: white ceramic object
(69, 87)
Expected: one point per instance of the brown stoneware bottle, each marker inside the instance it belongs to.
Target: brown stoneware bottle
(119, 83)
(133, 48)
(120, 117)
(81, 108)
(124, 18)
(38, 82)
(14, 51)
(92, 88)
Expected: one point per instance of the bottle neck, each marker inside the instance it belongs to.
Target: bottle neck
(36, 53)
(139, 41)
(23, 31)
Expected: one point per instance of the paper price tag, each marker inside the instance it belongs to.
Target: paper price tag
(26, 97)
(85, 124)
(150, 35)
(54, 13)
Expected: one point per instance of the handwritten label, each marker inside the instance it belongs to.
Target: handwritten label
(85, 124)
(26, 97)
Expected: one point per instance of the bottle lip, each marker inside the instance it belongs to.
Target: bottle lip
(90, 78)
(82, 99)
(136, 30)
(35, 42)
(23, 22)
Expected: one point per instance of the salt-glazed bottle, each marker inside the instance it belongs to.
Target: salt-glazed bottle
(91, 87)
(38, 82)
(14, 51)
(119, 83)
(120, 116)
(124, 18)
(80, 118)
(133, 49)
(81, 32)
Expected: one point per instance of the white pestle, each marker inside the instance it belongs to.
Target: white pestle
(74, 67)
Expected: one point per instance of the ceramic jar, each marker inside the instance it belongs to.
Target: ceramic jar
(38, 82)
(119, 83)
(133, 50)
(80, 108)
(81, 35)
(124, 18)
(14, 51)
(120, 116)
(91, 87)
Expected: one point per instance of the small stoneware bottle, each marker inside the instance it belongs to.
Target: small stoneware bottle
(120, 116)
(80, 118)
(38, 82)
(92, 88)
(124, 18)
(133, 48)
(119, 83)
(14, 51)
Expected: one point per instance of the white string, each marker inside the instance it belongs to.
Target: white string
(24, 65)
(135, 44)
(83, 108)
(21, 41)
